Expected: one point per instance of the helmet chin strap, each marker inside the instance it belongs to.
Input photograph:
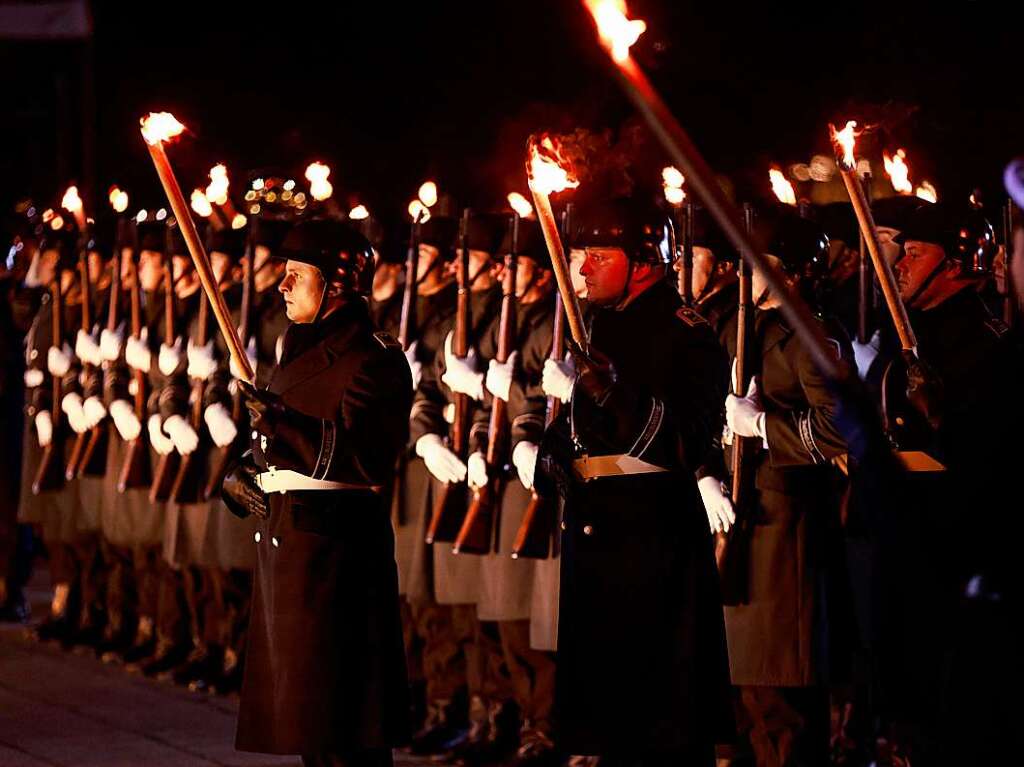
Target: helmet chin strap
(625, 286)
(926, 283)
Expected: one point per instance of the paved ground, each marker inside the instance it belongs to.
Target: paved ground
(60, 709)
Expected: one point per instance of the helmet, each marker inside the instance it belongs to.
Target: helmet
(967, 237)
(531, 243)
(342, 255)
(229, 241)
(641, 230)
(801, 245)
(440, 232)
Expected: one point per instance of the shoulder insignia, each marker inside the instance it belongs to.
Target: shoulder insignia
(997, 326)
(387, 340)
(691, 316)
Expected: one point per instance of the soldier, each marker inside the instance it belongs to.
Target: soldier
(388, 280)
(650, 686)
(325, 676)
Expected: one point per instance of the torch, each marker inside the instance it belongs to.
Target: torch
(618, 33)
(548, 172)
(157, 128)
(843, 142)
(682, 214)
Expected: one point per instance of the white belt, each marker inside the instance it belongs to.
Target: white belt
(593, 467)
(282, 480)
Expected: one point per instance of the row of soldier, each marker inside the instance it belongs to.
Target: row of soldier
(847, 587)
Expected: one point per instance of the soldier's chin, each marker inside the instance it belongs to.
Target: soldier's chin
(294, 314)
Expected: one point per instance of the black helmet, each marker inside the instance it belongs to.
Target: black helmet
(707, 234)
(342, 255)
(440, 232)
(531, 243)
(269, 232)
(801, 245)
(895, 212)
(150, 231)
(228, 240)
(839, 222)
(486, 232)
(63, 240)
(643, 231)
(975, 246)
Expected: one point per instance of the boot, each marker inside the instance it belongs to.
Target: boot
(88, 633)
(203, 664)
(168, 656)
(13, 607)
(492, 734)
(58, 625)
(229, 681)
(536, 749)
(439, 729)
(142, 647)
(118, 637)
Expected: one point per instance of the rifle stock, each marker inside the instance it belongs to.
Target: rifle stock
(49, 473)
(78, 449)
(168, 465)
(188, 484)
(136, 470)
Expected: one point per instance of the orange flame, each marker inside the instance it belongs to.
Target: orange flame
(71, 202)
(782, 187)
(319, 186)
(927, 192)
(520, 204)
(201, 204)
(57, 223)
(118, 199)
(217, 190)
(358, 213)
(158, 127)
(428, 193)
(548, 171)
(674, 195)
(899, 173)
(617, 32)
(238, 221)
(671, 176)
(418, 211)
(845, 140)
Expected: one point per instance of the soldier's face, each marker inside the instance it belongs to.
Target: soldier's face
(221, 265)
(302, 288)
(919, 261)
(703, 265)
(890, 249)
(151, 270)
(606, 272)
(576, 259)
(47, 266)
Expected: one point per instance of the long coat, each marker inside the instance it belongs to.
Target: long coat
(641, 643)
(325, 669)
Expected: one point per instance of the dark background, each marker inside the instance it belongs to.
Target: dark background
(391, 93)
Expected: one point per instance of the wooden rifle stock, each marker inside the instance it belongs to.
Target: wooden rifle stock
(450, 507)
(167, 466)
(78, 448)
(49, 473)
(135, 470)
(407, 327)
(188, 484)
(475, 537)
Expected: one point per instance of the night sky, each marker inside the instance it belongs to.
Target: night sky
(392, 93)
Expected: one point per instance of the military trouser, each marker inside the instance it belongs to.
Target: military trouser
(786, 726)
(218, 604)
(122, 598)
(172, 625)
(532, 675)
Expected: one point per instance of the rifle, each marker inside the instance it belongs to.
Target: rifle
(188, 486)
(78, 448)
(686, 274)
(475, 535)
(406, 331)
(450, 509)
(136, 470)
(1010, 300)
(730, 548)
(167, 466)
(48, 474)
(865, 292)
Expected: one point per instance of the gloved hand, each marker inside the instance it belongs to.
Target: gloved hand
(294, 439)
(864, 354)
(241, 492)
(440, 461)
(33, 377)
(717, 504)
(596, 374)
(250, 353)
(476, 470)
(460, 372)
(86, 348)
(111, 342)
(44, 427)
(182, 434)
(136, 352)
(58, 361)
(94, 411)
(218, 420)
(925, 389)
(125, 420)
(72, 407)
(744, 415)
(170, 357)
(415, 366)
(160, 441)
(499, 376)
(524, 458)
(201, 362)
(558, 378)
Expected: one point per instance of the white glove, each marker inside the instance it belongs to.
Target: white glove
(218, 420)
(58, 361)
(44, 427)
(125, 420)
(182, 434)
(136, 352)
(111, 342)
(33, 378)
(524, 458)
(441, 462)
(250, 352)
(476, 470)
(86, 348)
(94, 411)
(460, 372)
(717, 504)
(864, 354)
(558, 378)
(201, 362)
(415, 367)
(160, 441)
(170, 357)
(72, 407)
(499, 377)
(744, 415)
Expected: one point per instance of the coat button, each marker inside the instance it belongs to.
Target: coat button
(588, 529)
(255, 434)
(33, 354)
(275, 542)
(257, 536)
(263, 442)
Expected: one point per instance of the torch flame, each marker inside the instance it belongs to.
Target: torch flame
(617, 32)
(418, 211)
(899, 173)
(217, 190)
(319, 186)
(238, 221)
(71, 202)
(57, 223)
(671, 177)
(358, 213)
(674, 195)
(548, 170)
(520, 204)
(845, 140)
(158, 127)
(428, 194)
(118, 199)
(201, 204)
(927, 192)
(782, 187)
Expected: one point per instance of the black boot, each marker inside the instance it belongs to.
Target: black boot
(142, 647)
(13, 607)
(88, 632)
(57, 626)
(492, 735)
(229, 681)
(439, 729)
(118, 637)
(168, 656)
(536, 749)
(201, 666)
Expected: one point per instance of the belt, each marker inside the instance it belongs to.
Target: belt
(589, 467)
(282, 480)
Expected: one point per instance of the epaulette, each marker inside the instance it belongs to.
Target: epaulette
(691, 316)
(387, 340)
